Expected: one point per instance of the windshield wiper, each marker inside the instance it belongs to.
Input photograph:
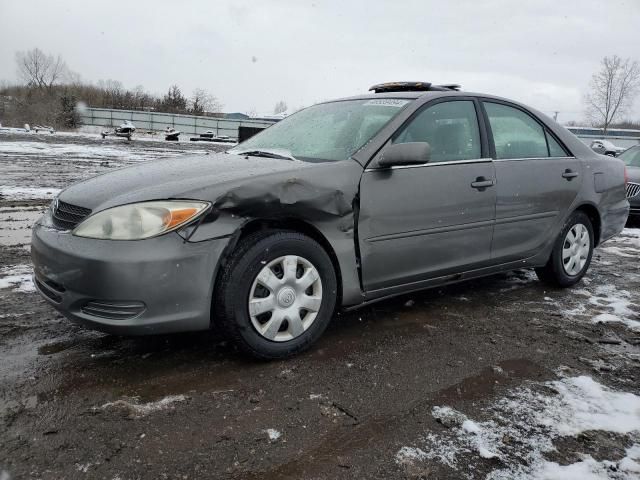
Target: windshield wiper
(275, 153)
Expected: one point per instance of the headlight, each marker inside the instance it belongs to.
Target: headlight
(140, 220)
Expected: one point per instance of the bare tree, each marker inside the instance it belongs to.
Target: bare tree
(112, 92)
(613, 89)
(38, 69)
(280, 107)
(202, 101)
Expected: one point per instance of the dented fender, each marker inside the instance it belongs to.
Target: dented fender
(321, 195)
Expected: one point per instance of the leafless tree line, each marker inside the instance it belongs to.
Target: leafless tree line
(49, 86)
(49, 91)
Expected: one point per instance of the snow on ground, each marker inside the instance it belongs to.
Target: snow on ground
(611, 303)
(27, 193)
(616, 304)
(137, 410)
(17, 277)
(273, 434)
(590, 469)
(627, 244)
(93, 152)
(522, 427)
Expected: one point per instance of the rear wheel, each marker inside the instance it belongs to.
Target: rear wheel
(276, 294)
(572, 252)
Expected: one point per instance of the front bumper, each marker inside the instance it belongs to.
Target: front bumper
(168, 280)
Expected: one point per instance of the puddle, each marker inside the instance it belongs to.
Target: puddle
(484, 383)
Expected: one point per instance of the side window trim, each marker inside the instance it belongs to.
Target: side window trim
(546, 141)
(547, 131)
(567, 153)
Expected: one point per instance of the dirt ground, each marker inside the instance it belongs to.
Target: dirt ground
(360, 404)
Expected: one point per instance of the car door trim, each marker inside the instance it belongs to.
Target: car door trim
(431, 231)
(532, 158)
(430, 164)
(532, 216)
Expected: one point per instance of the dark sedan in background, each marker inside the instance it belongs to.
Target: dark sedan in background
(343, 203)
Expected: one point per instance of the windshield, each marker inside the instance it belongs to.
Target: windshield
(325, 132)
(631, 157)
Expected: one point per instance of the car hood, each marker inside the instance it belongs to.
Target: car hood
(633, 174)
(202, 177)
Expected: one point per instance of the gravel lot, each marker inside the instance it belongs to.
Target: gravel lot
(496, 378)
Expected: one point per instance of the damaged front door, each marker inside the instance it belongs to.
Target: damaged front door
(418, 222)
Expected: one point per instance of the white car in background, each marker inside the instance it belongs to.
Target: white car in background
(605, 147)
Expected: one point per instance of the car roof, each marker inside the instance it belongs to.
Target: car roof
(414, 95)
(570, 140)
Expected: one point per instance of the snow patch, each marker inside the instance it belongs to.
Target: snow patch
(93, 152)
(588, 469)
(27, 193)
(18, 278)
(617, 302)
(584, 404)
(273, 434)
(621, 252)
(138, 410)
(611, 304)
(522, 426)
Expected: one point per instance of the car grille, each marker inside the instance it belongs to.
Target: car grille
(113, 310)
(67, 216)
(633, 189)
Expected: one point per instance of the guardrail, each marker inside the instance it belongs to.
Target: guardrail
(187, 124)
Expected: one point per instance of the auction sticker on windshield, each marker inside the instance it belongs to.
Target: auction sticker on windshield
(386, 102)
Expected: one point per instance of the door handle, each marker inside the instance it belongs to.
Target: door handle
(569, 174)
(481, 184)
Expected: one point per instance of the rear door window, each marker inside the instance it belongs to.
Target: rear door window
(451, 128)
(515, 133)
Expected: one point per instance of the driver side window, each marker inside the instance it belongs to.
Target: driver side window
(451, 128)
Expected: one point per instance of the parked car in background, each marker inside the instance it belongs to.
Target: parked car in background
(340, 204)
(604, 147)
(631, 158)
(125, 130)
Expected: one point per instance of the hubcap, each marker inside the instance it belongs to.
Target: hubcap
(575, 250)
(285, 298)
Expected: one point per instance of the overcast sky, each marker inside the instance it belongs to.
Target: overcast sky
(252, 54)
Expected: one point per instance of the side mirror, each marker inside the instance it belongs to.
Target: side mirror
(413, 153)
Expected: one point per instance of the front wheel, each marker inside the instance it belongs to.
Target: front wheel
(276, 294)
(572, 252)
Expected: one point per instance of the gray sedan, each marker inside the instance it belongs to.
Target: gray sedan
(341, 204)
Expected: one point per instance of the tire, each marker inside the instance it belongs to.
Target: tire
(244, 279)
(565, 267)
